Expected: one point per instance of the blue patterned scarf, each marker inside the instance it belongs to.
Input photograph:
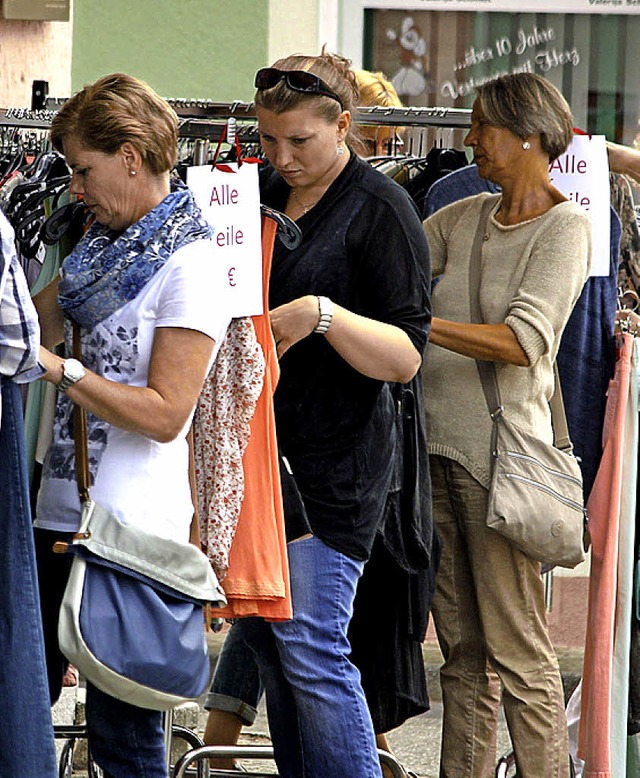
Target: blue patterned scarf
(108, 269)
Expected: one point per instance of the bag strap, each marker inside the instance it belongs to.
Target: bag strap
(487, 370)
(83, 476)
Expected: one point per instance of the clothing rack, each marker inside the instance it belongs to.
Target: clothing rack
(392, 116)
(203, 122)
(198, 115)
(26, 118)
(202, 119)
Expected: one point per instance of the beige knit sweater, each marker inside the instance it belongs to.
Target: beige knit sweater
(532, 274)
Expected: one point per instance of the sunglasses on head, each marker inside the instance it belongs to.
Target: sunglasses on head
(298, 80)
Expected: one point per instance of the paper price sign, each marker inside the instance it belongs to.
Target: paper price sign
(230, 202)
(582, 175)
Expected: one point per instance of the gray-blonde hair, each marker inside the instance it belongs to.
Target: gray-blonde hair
(527, 104)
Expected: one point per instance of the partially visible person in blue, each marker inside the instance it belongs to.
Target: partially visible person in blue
(26, 735)
(350, 311)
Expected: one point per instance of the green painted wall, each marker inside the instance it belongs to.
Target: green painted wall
(207, 49)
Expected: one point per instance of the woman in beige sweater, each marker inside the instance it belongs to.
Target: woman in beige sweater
(489, 607)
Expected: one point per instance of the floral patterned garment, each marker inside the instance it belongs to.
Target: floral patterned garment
(112, 354)
(221, 432)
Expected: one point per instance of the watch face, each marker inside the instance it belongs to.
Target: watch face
(73, 369)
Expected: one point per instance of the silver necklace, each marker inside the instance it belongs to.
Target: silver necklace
(306, 207)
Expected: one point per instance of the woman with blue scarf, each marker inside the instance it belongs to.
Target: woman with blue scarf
(146, 290)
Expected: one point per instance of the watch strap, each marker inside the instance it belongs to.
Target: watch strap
(325, 308)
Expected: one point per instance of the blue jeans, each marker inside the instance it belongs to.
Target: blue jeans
(236, 686)
(126, 741)
(318, 715)
(26, 735)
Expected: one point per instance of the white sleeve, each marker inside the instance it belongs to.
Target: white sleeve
(194, 294)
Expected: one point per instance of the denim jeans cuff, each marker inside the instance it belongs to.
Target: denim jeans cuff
(246, 713)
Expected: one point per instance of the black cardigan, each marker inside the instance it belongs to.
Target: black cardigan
(364, 247)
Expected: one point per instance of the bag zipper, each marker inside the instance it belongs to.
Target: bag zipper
(519, 455)
(543, 487)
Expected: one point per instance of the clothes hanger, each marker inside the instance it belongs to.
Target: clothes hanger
(288, 231)
(62, 220)
(30, 216)
(628, 299)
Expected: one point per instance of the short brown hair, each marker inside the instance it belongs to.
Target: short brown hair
(117, 109)
(528, 104)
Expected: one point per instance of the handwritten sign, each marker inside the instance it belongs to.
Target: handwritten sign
(582, 175)
(230, 202)
(538, 48)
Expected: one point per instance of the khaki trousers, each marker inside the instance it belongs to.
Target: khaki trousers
(490, 618)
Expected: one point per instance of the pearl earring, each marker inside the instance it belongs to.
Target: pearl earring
(526, 145)
(133, 172)
(340, 150)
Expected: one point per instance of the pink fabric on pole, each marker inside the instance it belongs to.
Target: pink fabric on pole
(603, 508)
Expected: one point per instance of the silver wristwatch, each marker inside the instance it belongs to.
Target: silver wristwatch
(325, 311)
(72, 372)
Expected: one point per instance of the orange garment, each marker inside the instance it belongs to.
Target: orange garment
(257, 581)
(603, 508)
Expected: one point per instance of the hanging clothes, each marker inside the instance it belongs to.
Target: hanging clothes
(625, 579)
(221, 427)
(633, 724)
(622, 203)
(603, 508)
(416, 174)
(257, 578)
(42, 396)
(395, 591)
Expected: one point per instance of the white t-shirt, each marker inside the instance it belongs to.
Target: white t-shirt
(143, 482)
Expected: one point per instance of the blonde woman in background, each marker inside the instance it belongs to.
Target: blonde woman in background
(377, 90)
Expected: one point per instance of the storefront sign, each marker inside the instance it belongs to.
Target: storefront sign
(582, 175)
(538, 49)
(230, 202)
(628, 7)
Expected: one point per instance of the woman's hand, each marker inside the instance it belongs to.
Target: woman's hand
(373, 348)
(293, 321)
(624, 159)
(52, 364)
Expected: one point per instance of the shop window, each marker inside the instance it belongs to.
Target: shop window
(437, 58)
